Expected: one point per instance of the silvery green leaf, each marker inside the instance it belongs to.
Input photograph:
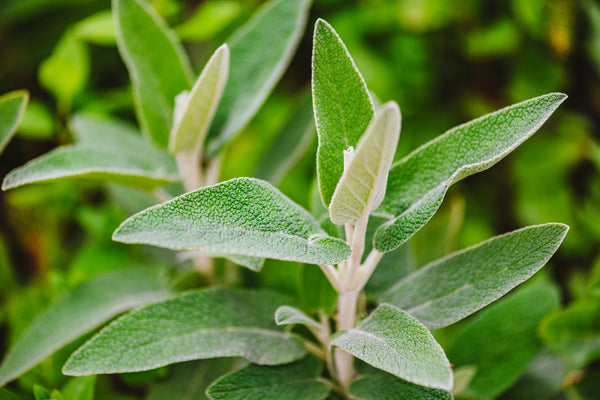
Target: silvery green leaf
(418, 183)
(286, 315)
(342, 105)
(80, 311)
(362, 185)
(243, 216)
(391, 340)
(106, 149)
(384, 386)
(450, 289)
(12, 108)
(190, 128)
(297, 381)
(157, 64)
(200, 324)
(260, 51)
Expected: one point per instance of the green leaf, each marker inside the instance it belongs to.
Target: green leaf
(287, 315)
(260, 51)
(198, 108)
(418, 183)
(450, 289)
(12, 107)
(200, 324)
(253, 263)
(362, 186)
(80, 311)
(98, 29)
(157, 64)
(395, 342)
(209, 19)
(80, 388)
(384, 386)
(106, 149)
(501, 341)
(297, 381)
(243, 216)
(315, 290)
(342, 105)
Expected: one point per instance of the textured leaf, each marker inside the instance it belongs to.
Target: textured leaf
(243, 216)
(286, 315)
(260, 51)
(80, 388)
(80, 311)
(12, 107)
(382, 386)
(395, 342)
(297, 381)
(107, 150)
(362, 186)
(157, 64)
(418, 183)
(200, 324)
(449, 289)
(342, 105)
(501, 341)
(190, 128)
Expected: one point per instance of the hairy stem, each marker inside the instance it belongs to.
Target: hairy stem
(346, 319)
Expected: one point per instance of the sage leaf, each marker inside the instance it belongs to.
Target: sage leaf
(253, 263)
(391, 340)
(157, 64)
(501, 341)
(243, 216)
(297, 381)
(384, 386)
(362, 186)
(200, 324)
(342, 105)
(260, 51)
(315, 290)
(450, 289)
(106, 149)
(286, 315)
(81, 388)
(12, 108)
(78, 312)
(418, 183)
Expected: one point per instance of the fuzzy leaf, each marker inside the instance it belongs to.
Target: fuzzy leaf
(106, 149)
(342, 105)
(393, 341)
(297, 381)
(384, 386)
(450, 289)
(157, 64)
(287, 315)
(200, 324)
(362, 186)
(243, 216)
(12, 108)
(260, 51)
(418, 183)
(79, 311)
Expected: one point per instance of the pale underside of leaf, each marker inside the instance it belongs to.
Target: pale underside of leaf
(253, 263)
(12, 108)
(286, 315)
(362, 186)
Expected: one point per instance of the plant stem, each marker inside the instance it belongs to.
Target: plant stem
(346, 319)
(190, 169)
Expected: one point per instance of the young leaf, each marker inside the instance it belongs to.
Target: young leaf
(260, 51)
(362, 186)
(197, 112)
(12, 107)
(395, 342)
(450, 289)
(243, 216)
(297, 381)
(157, 64)
(418, 183)
(201, 324)
(107, 150)
(286, 315)
(342, 105)
(80, 311)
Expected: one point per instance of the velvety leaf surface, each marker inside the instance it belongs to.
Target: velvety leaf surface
(200, 324)
(418, 183)
(449, 289)
(78, 312)
(12, 107)
(260, 51)
(501, 341)
(286, 315)
(362, 185)
(106, 149)
(393, 341)
(243, 216)
(382, 386)
(296, 381)
(342, 105)
(157, 64)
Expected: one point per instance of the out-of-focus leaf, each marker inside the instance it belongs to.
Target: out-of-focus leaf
(209, 19)
(97, 29)
(80, 388)
(499, 39)
(315, 291)
(12, 107)
(37, 123)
